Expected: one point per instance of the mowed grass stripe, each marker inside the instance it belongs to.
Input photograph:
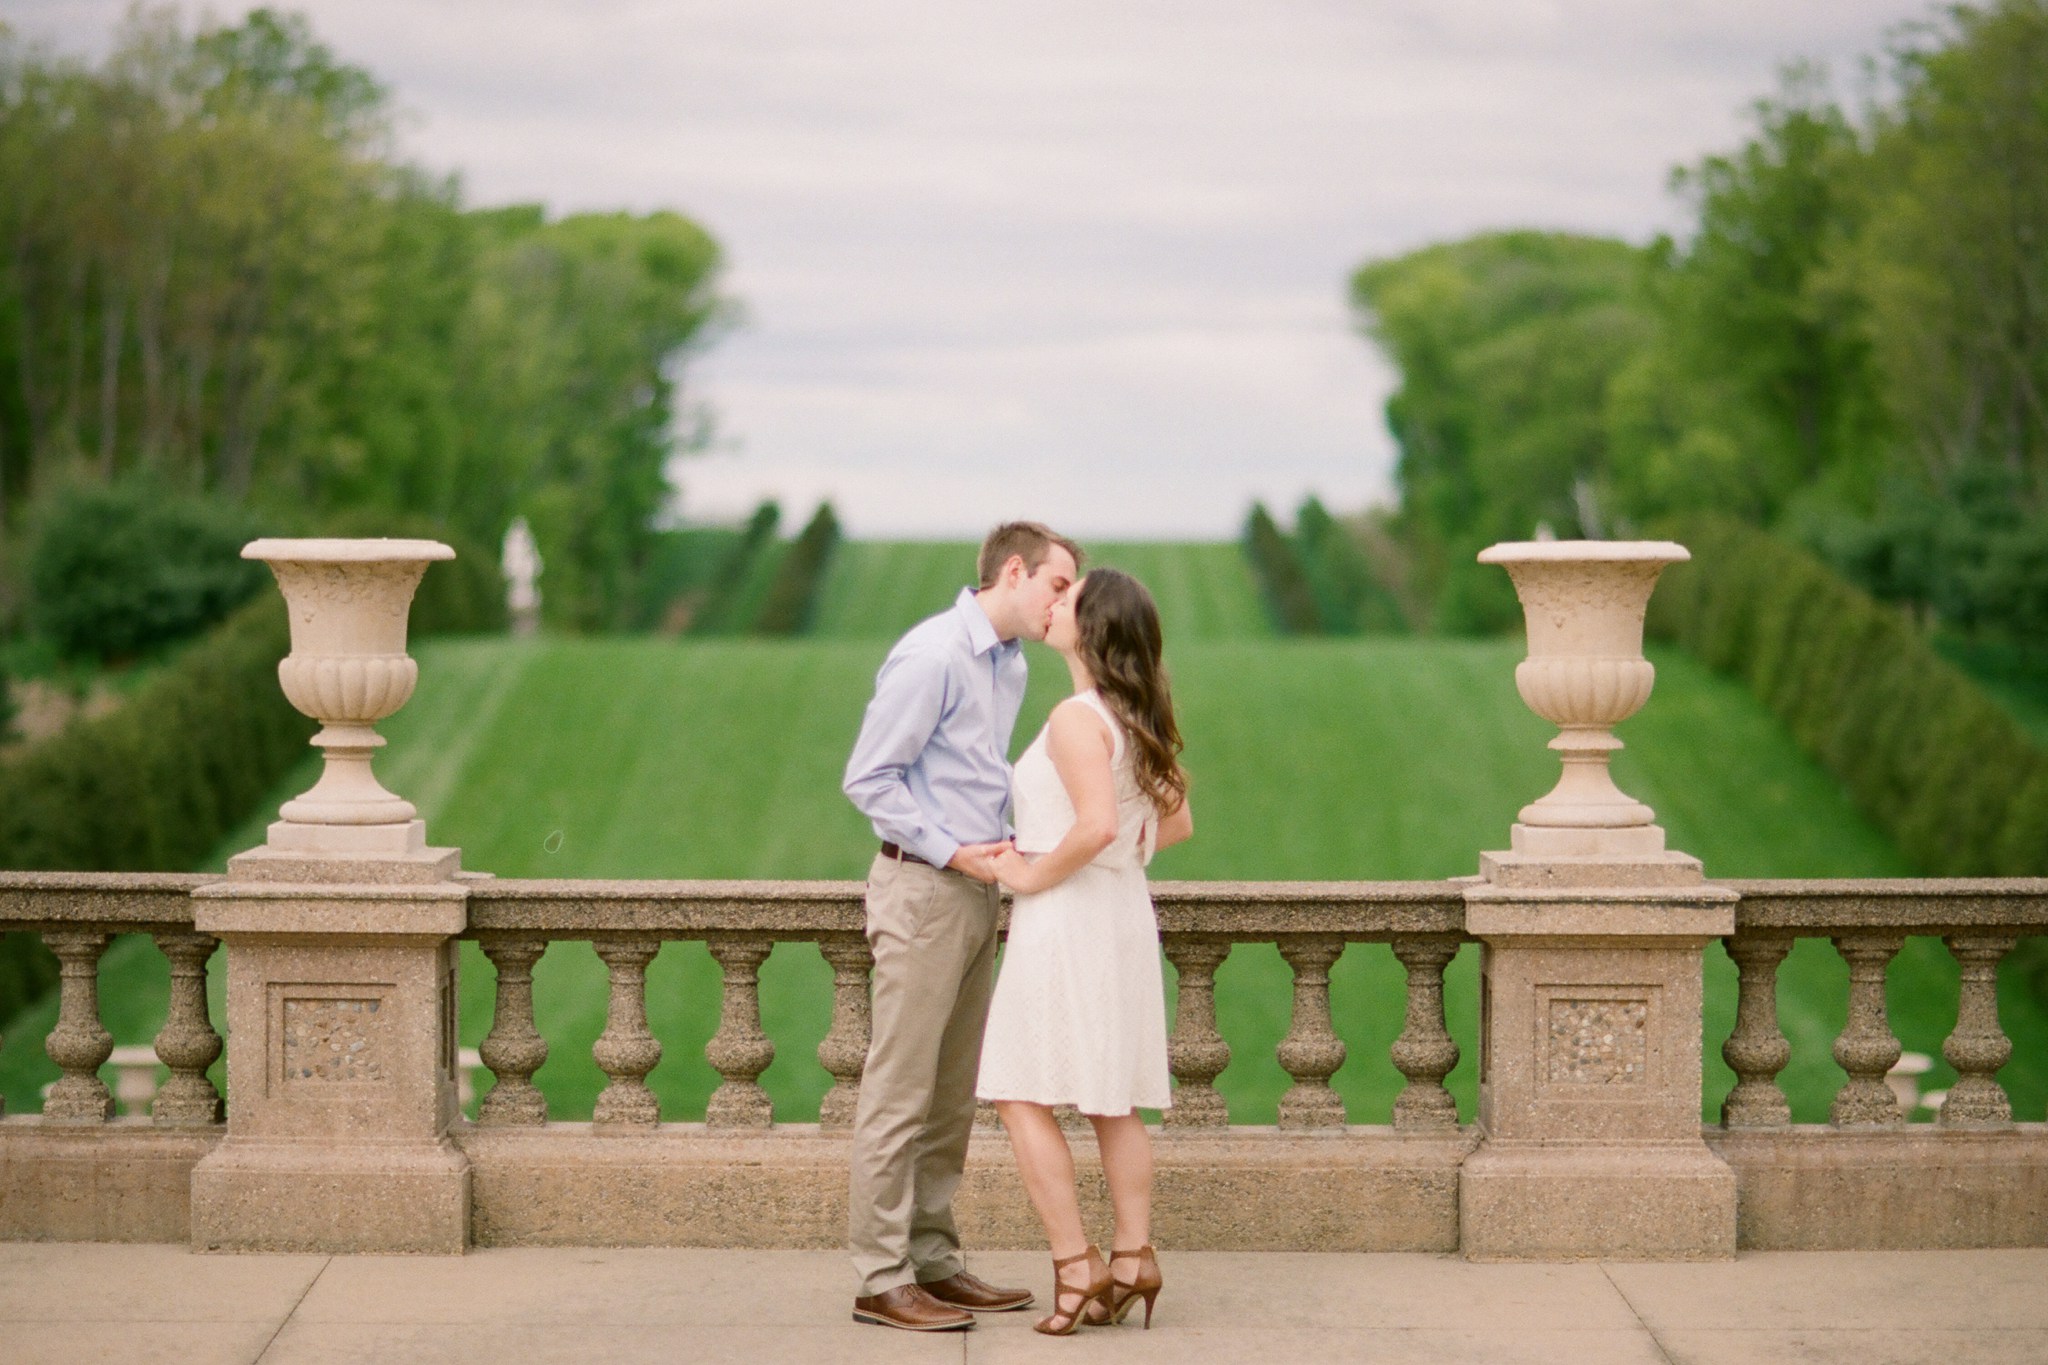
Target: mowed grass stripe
(879, 589)
(1205, 590)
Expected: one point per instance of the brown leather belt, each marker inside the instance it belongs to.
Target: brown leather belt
(903, 855)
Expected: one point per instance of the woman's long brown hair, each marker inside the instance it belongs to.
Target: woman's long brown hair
(1118, 638)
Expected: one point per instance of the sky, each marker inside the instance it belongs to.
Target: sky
(1083, 262)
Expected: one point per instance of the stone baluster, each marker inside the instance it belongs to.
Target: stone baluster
(1425, 1052)
(1311, 1052)
(79, 1043)
(844, 1050)
(187, 1043)
(1978, 1047)
(513, 1049)
(626, 1051)
(740, 1051)
(1197, 1051)
(1756, 1049)
(1866, 1049)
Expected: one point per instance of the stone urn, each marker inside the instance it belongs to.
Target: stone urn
(1583, 601)
(348, 669)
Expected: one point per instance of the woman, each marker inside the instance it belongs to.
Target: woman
(1079, 1014)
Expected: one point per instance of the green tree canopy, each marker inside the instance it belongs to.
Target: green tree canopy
(216, 274)
(1851, 341)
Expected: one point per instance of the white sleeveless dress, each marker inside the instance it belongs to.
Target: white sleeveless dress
(1079, 1013)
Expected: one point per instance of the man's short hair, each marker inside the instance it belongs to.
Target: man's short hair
(1030, 540)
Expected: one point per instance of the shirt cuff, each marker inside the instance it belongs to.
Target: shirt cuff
(939, 852)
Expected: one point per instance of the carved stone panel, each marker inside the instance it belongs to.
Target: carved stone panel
(329, 1036)
(1596, 1037)
(1598, 1042)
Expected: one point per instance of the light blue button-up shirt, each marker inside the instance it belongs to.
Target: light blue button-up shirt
(931, 768)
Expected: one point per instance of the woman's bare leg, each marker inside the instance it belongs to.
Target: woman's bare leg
(1047, 1165)
(1127, 1164)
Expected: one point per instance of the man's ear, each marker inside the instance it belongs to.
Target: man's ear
(1014, 571)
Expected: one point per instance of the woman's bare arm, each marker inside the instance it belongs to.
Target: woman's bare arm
(1176, 827)
(1080, 746)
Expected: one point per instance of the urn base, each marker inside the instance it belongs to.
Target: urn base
(397, 840)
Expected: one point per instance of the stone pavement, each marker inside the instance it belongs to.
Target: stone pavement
(80, 1302)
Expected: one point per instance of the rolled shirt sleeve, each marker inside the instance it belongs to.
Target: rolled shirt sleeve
(910, 698)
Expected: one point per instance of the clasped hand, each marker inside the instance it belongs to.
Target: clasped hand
(996, 862)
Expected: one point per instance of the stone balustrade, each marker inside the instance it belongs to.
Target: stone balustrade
(740, 922)
(1867, 1178)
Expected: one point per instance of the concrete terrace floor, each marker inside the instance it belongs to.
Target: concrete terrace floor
(78, 1302)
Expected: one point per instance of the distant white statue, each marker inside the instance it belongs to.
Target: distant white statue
(521, 567)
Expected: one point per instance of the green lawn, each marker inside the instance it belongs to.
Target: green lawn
(1364, 758)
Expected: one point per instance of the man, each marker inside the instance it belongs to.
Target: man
(931, 771)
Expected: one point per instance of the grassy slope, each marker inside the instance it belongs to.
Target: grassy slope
(1312, 759)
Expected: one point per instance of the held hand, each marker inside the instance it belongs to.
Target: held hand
(975, 860)
(1016, 871)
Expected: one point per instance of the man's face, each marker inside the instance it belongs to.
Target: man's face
(1036, 592)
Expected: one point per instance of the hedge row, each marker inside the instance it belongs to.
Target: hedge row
(677, 577)
(1350, 599)
(1935, 763)
(724, 605)
(793, 596)
(1289, 596)
(156, 784)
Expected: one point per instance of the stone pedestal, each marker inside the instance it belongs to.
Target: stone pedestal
(341, 1060)
(340, 935)
(1589, 1061)
(1590, 1073)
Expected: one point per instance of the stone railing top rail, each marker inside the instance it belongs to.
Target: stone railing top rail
(107, 898)
(1242, 910)
(1906, 905)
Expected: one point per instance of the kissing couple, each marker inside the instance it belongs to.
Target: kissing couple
(1079, 1014)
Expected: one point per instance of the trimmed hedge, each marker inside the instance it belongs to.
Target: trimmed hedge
(676, 579)
(1934, 762)
(724, 603)
(159, 782)
(120, 570)
(1349, 596)
(1289, 596)
(793, 596)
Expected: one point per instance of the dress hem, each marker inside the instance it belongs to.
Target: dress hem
(1132, 1108)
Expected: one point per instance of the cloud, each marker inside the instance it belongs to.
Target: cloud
(1090, 256)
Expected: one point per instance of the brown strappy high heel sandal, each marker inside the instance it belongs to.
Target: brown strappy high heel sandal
(1146, 1286)
(1063, 1320)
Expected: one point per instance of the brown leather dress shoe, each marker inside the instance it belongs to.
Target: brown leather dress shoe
(909, 1307)
(976, 1295)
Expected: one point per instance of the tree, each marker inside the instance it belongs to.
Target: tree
(214, 273)
(1953, 257)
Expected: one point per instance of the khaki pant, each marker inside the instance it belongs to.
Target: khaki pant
(934, 939)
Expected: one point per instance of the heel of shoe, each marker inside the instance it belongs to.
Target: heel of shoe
(1146, 1285)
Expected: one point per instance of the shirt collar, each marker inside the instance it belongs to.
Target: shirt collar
(981, 634)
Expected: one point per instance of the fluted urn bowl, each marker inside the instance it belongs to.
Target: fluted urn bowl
(1583, 602)
(348, 601)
